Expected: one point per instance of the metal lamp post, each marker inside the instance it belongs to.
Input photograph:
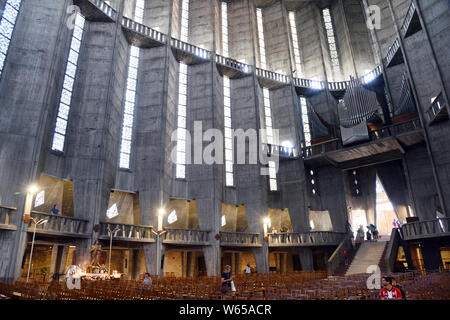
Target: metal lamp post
(41, 221)
(116, 229)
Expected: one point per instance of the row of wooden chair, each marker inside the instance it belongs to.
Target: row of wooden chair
(292, 286)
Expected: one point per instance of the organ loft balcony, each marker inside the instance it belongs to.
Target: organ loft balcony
(367, 133)
(383, 144)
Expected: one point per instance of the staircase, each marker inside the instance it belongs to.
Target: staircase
(369, 253)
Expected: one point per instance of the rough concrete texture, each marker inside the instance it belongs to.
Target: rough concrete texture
(31, 83)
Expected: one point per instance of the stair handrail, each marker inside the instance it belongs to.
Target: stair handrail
(338, 254)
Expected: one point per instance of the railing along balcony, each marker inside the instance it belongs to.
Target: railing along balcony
(233, 68)
(144, 36)
(96, 10)
(105, 8)
(411, 24)
(239, 239)
(372, 75)
(127, 232)
(377, 134)
(185, 236)
(6, 218)
(271, 79)
(59, 225)
(338, 86)
(189, 53)
(426, 229)
(315, 238)
(322, 148)
(438, 110)
(281, 151)
(394, 55)
(309, 84)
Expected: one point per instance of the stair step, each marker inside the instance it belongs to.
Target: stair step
(369, 253)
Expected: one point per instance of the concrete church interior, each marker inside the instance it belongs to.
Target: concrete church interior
(98, 105)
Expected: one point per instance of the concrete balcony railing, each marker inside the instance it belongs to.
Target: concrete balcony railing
(6, 218)
(59, 225)
(394, 55)
(141, 35)
(426, 229)
(232, 68)
(280, 151)
(338, 86)
(438, 110)
(378, 134)
(411, 24)
(127, 232)
(96, 10)
(309, 239)
(304, 85)
(270, 79)
(188, 53)
(372, 75)
(239, 239)
(185, 237)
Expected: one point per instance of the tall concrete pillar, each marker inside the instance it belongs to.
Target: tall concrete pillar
(62, 264)
(53, 259)
(154, 254)
(431, 253)
(26, 106)
(306, 259)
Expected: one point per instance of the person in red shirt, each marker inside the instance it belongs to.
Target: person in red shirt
(389, 292)
(346, 258)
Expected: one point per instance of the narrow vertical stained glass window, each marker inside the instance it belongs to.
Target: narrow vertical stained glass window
(270, 139)
(229, 181)
(334, 56)
(7, 23)
(229, 178)
(130, 96)
(262, 47)
(297, 61)
(305, 121)
(180, 171)
(59, 135)
(225, 51)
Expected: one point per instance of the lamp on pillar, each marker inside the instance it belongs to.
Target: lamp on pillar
(111, 233)
(267, 224)
(161, 213)
(31, 191)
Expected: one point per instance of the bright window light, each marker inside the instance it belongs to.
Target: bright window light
(224, 221)
(261, 42)
(59, 135)
(180, 168)
(112, 212)
(334, 56)
(305, 121)
(40, 199)
(172, 217)
(229, 178)
(130, 96)
(7, 24)
(297, 61)
(270, 140)
(369, 76)
(225, 51)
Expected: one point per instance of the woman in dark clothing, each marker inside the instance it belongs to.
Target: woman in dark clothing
(226, 279)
